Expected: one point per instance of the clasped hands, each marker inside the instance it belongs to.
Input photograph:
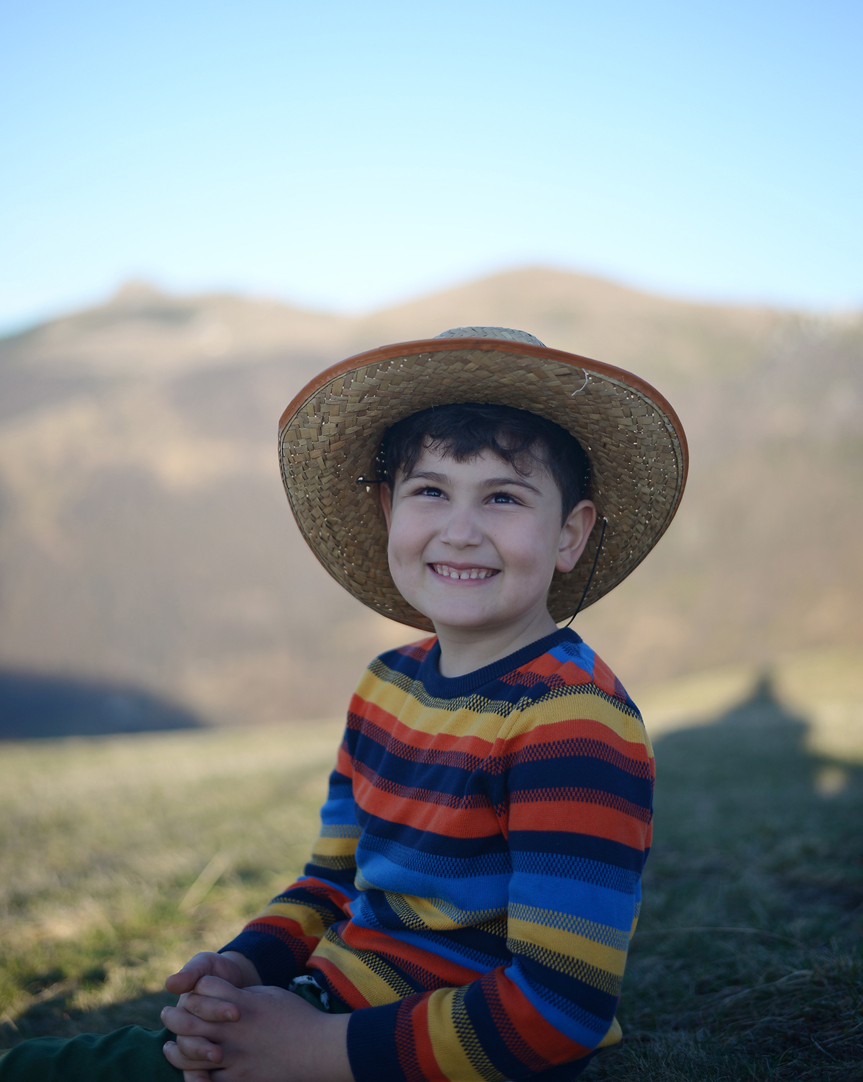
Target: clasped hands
(229, 1030)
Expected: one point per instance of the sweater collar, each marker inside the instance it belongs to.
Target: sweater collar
(453, 687)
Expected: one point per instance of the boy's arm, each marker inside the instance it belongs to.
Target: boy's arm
(578, 799)
(280, 939)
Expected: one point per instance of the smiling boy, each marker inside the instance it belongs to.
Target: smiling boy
(468, 906)
(477, 878)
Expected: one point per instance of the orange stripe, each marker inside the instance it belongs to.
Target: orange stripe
(446, 970)
(547, 665)
(580, 818)
(340, 984)
(575, 728)
(454, 822)
(603, 677)
(469, 744)
(536, 1032)
(422, 1041)
(333, 894)
(292, 927)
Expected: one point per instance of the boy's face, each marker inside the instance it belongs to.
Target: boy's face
(474, 545)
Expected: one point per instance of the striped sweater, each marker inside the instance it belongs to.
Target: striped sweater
(477, 876)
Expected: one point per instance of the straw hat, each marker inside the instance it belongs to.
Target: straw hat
(330, 433)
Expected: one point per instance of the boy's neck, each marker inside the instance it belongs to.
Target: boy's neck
(464, 650)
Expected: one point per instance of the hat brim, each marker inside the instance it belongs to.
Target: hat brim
(330, 433)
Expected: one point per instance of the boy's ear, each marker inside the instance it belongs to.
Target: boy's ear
(385, 498)
(574, 534)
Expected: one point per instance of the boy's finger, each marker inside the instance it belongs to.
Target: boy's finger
(216, 988)
(179, 1020)
(176, 1058)
(186, 979)
(200, 1050)
(211, 1009)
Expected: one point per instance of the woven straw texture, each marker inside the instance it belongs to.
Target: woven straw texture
(331, 431)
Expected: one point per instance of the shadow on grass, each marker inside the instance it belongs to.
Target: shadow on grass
(53, 1015)
(37, 706)
(747, 962)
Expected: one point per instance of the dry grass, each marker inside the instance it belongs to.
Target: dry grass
(121, 856)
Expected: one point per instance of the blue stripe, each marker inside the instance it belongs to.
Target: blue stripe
(433, 865)
(591, 901)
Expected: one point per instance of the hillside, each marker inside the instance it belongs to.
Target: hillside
(145, 540)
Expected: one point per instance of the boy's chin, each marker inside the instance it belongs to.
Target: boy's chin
(484, 623)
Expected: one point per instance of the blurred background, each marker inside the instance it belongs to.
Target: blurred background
(201, 207)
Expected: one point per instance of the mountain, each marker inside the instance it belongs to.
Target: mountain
(145, 539)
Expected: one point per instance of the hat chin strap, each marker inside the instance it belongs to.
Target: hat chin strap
(590, 576)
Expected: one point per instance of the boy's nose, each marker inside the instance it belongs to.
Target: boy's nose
(461, 528)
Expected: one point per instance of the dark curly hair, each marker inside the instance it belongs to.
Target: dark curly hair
(465, 429)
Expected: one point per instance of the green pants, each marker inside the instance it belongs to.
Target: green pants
(131, 1054)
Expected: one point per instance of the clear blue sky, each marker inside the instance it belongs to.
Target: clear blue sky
(350, 154)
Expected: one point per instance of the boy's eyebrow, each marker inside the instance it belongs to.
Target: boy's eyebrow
(491, 482)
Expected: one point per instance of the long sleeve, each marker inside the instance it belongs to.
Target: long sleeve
(282, 937)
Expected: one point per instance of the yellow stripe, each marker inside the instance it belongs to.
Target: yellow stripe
(580, 705)
(569, 945)
(507, 721)
(379, 985)
(309, 919)
(614, 1034)
(449, 1051)
(335, 847)
(576, 968)
(440, 915)
(569, 922)
(428, 717)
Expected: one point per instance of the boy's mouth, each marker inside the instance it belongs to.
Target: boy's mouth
(449, 572)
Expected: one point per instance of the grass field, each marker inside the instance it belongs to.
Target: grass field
(121, 856)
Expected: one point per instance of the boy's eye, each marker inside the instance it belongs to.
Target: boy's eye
(503, 497)
(428, 490)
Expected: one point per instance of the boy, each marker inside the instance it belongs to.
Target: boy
(468, 906)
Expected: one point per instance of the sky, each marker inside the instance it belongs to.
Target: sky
(348, 156)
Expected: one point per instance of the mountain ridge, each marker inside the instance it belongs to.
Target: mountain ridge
(144, 535)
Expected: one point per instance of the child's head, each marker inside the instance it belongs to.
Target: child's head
(589, 428)
(463, 430)
(483, 504)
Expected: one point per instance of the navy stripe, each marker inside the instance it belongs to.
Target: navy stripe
(578, 771)
(484, 1021)
(577, 869)
(274, 960)
(436, 865)
(343, 877)
(579, 994)
(314, 897)
(440, 777)
(576, 845)
(426, 841)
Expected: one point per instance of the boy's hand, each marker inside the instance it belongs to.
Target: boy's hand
(277, 1036)
(231, 966)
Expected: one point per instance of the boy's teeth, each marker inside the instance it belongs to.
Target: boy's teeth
(473, 573)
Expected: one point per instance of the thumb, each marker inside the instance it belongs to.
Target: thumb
(186, 979)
